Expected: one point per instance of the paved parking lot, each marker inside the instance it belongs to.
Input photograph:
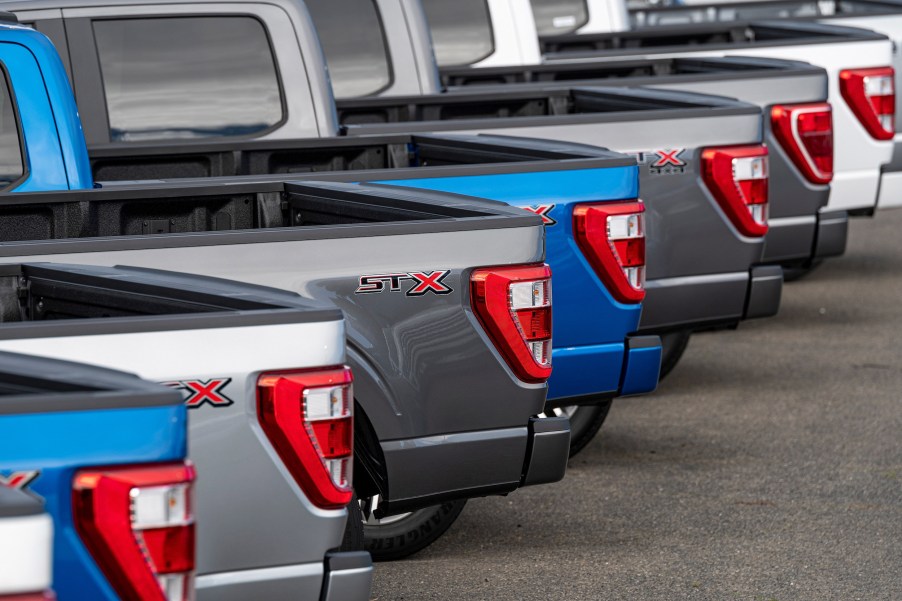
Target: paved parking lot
(767, 467)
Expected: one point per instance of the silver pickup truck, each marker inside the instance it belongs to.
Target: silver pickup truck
(223, 345)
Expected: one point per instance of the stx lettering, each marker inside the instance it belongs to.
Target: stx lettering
(423, 282)
(542, 211)
(19, 480)
(198, 392)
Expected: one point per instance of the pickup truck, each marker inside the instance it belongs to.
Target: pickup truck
(862, 118)
(881, 16)
(550, 178)
(219, 347)
(26, 536)
(712, 281)
(800, 233)
(401, 264)
(700, 248)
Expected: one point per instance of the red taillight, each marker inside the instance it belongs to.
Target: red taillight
(513, 304)
(308, 418)
(737, 177)
(871, 94)
(612, 237)
(805, 131)
(138, 524)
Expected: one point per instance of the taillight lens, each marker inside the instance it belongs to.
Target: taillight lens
(138, 524)
(737, 178)
(612, 237)
(871, 94)
(805, 131)
(513, 304)
(307, 415)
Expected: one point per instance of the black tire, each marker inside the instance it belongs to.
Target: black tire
(353, 538)
(412, 533)
(585, 422)
(794, 273)
(673, 345)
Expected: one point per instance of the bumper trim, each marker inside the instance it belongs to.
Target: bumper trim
(348, 576)
(548, 450)
(832, 234)
(765, 291)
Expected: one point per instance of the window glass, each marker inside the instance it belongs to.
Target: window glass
(187, 77)
(353, 40)
(461, 31)
(559, 16)
(11, 166)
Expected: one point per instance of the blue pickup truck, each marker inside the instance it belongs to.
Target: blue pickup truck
(586, 196)
(84, 439)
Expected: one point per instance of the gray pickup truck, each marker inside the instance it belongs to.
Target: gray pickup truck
(801, 231)
(399, 264)
(705, 242)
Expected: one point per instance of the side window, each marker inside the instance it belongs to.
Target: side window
(461, 31)
(559, 16)
(353, 39)
(187, 77)
(12, 167)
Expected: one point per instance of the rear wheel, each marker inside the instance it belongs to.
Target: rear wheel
(673, 345)
(399, 536)
(585, 422)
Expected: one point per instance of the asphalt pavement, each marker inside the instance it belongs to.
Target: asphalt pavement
(767, 467)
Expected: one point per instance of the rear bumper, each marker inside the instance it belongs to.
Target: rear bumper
(549, 449)
(591, 374)
(348, 576)
(341, 576)
(795, 240)
(890, 194)
(475, 464)
(711, 300)
(832, 234)
(765, 291)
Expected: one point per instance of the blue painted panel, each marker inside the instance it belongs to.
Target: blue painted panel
(58, 444)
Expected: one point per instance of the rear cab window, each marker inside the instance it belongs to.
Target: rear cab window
(554, 17)
(12, 162)
(461, 31)
(353, 40)
(188, 77)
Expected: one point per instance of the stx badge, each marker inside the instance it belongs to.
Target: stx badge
(662, 162)
(542, 211)
(198, 392)
(19, 480)
(423, 282)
